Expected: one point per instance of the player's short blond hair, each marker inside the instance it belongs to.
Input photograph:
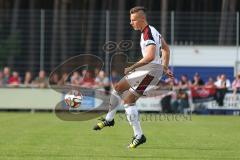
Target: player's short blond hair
(137, 9)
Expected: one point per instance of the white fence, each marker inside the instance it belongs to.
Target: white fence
(42, 39)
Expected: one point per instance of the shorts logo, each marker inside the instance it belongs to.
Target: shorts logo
(144, 84)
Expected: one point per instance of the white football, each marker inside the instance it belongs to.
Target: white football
(73, 99)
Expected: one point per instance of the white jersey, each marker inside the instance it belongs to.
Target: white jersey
(150, 36)
(145, 78)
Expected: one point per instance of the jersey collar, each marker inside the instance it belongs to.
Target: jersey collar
(144, 28)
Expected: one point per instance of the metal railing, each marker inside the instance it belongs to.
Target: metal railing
(42, 39)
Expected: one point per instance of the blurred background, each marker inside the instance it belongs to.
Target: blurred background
(38, 35)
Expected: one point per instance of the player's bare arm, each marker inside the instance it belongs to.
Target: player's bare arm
(150, 50)
(165, 58)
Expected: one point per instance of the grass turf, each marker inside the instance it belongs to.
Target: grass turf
(44, 136)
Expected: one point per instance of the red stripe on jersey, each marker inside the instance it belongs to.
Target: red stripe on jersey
(147, 34)
(144, 83)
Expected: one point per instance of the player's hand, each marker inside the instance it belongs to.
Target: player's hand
(169, 73)
(127, 70)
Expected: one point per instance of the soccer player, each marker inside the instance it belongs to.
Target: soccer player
(140, 76)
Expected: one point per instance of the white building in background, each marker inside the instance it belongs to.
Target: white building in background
(207, 60)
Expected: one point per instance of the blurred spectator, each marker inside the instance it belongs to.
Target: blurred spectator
(168, 84)
(6, 75)
(218, 77)
(171, 82)
(76, 78)
(96, 72)
(165, 102)
(88, 80)
(222, 85)
(1, 78)
(223, 82)
(64, 79)
(54, 79)
(210, 83)
(115, 77)
(41, 81)
(197, 81)
(102, 81)
(14, 80)
(181, 102)
(184, 83)
(84, 71)
(28, 79)
(236, 84)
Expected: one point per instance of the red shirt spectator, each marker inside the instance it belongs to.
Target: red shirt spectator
(14, 80)
(210, 83)
(88, 80)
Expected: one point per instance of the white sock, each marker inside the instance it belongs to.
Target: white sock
(133, 119)
(115, 101)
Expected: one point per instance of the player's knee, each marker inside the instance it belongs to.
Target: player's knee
(117, 88)
(130, 100)
(116, 93)
(115, 99)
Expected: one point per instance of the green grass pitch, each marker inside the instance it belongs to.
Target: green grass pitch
(28, 136)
